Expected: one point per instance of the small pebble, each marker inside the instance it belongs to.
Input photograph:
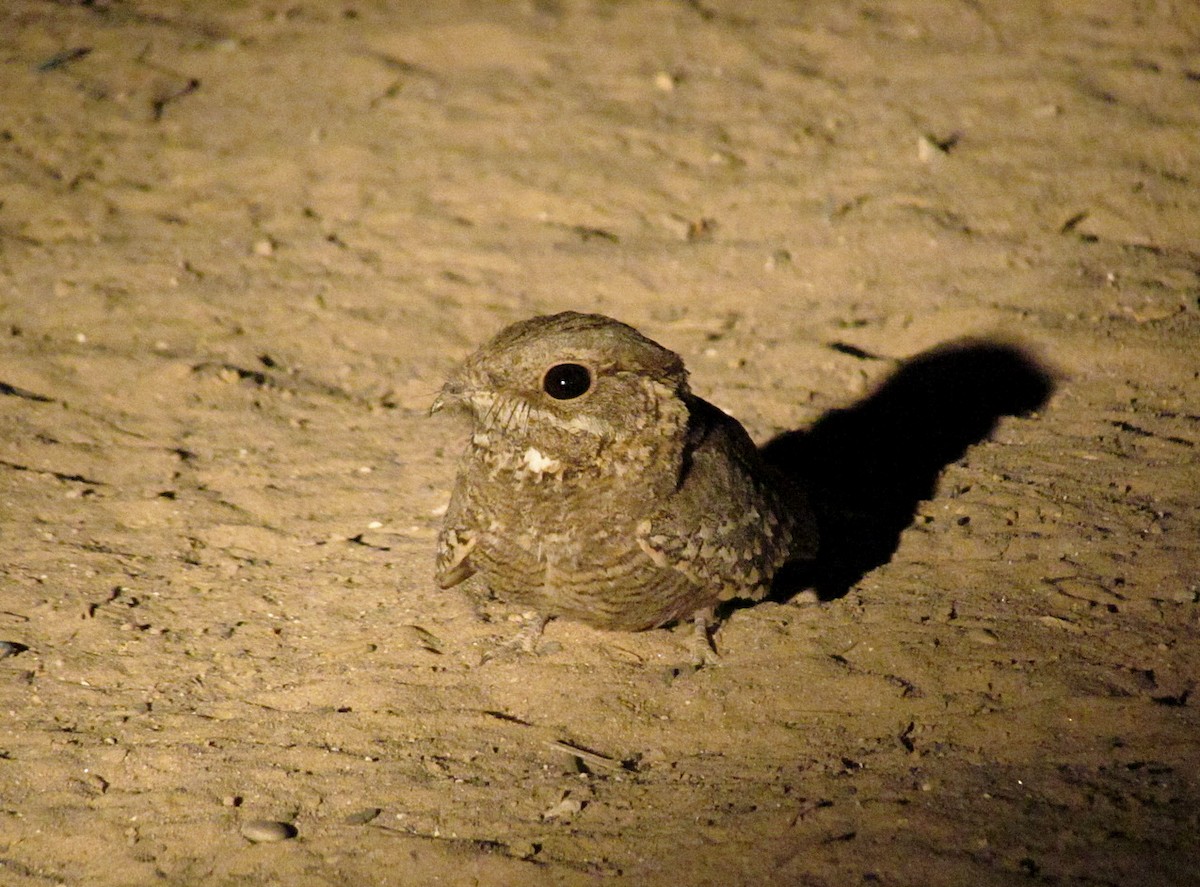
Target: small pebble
(416, 636)
(362, 817)
(983, 636)
(564, 809)
(524, 849)
(11, 648)
(267, 831)
(778, 259)
(1059, 622)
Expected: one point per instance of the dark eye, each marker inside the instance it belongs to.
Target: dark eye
(566, 381)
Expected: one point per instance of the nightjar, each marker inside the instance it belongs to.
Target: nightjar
(597, 487)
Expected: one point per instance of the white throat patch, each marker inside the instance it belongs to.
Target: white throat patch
(538, 464)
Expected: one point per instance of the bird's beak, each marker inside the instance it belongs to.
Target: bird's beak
(453, 393)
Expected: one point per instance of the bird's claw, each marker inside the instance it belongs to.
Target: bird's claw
(702, 649)
(524, 642)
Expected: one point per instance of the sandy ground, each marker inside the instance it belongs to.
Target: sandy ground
(241, 246)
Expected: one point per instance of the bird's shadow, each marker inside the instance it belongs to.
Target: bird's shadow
(868, 466)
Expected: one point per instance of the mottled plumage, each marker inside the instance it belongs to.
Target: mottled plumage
(597, 487)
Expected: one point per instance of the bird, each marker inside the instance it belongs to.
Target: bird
(596, 487)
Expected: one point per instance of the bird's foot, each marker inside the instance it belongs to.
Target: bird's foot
(702, 649)
(524, 642)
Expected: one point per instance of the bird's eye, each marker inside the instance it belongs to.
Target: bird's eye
(567, 381)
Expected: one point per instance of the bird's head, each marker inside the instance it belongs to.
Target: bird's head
(569, 386)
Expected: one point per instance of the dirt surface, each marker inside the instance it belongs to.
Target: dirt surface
(241, 246)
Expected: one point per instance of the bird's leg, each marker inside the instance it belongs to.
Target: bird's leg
(524, 641)
(703, 651)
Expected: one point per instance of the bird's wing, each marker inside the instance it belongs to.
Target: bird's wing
(455, 543)
(732, 522)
